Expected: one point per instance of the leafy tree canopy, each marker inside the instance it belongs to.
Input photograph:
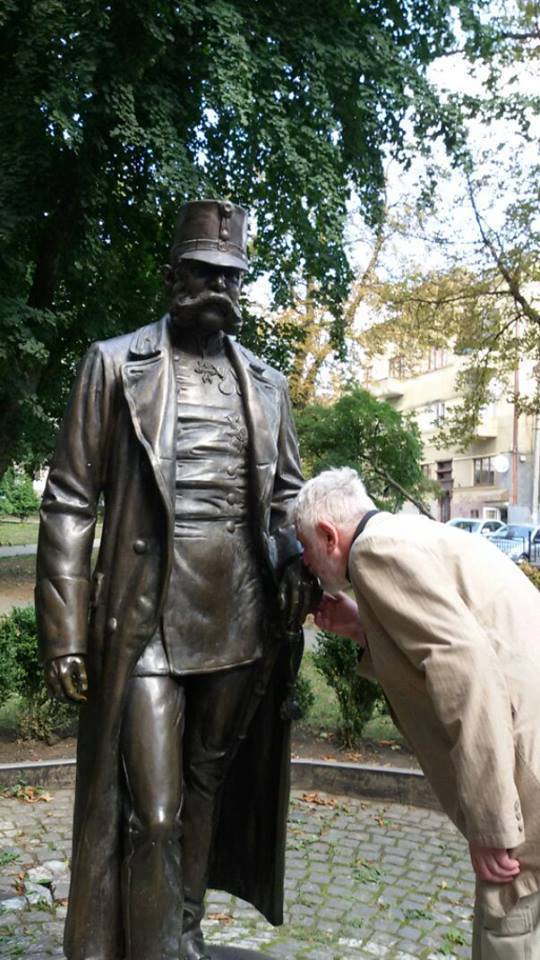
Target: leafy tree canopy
(112, 114)
(367, 434)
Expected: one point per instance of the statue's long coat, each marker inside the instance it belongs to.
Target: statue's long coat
(118, 440)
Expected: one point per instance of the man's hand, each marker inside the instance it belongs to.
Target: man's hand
(299, 594)
(67, 679)
(493, 864)
(340, 615)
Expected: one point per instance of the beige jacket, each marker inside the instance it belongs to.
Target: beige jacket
(453, 629)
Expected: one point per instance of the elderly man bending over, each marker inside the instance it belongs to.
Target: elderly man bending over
(451, 630)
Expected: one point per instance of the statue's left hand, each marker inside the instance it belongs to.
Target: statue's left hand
(66, 678)
(299, 594)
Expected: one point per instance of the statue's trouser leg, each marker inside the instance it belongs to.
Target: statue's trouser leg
(151, 873)
(215, 710)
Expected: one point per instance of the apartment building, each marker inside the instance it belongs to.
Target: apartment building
(497, 476)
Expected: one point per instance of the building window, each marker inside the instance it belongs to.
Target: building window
(439, 410)
(444, 477)
(475, 514)
(426, 469)
(484, 473)
(397, 368)
(436, 358)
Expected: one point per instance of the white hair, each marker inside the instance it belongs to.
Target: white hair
(337, 495)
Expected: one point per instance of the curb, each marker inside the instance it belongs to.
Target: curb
(394, 784)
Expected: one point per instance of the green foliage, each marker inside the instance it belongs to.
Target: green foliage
(17, 495)
(41, 718)
(323, 714)
(112, 115)
(532, 572)
(369, 435)
(336, 658)
(21, 673)
(305, 696)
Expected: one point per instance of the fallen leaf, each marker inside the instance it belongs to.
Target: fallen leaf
(26, 793)
(317, 799)
(222, 917)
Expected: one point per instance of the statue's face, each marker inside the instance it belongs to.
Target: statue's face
(205, 296)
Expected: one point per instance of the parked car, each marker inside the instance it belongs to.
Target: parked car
(473, 525)
(521, 541)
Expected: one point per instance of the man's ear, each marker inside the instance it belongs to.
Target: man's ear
(329, 535)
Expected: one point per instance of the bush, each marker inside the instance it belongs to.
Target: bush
(304, 695)
(21, 673)
(17, 495)
(533, 573)
(42, 718)
(336, 658)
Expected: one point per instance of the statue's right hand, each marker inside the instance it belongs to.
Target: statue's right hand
(66, 678)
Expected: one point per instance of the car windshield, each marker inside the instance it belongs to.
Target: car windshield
(515, 531)
(471, 525)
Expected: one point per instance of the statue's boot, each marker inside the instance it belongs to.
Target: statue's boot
(193, 946)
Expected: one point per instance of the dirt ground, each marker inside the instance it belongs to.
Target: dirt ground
(15, 594)
(305, 745)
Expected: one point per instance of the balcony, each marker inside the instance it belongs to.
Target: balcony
(486, 428)
(388, 389)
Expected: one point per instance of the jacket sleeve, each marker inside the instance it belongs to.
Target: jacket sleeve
(287, 484)
(68, 515)
(410, 592)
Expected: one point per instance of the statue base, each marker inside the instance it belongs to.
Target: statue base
(234, 953)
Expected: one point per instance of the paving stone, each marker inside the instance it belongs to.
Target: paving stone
(423, 884)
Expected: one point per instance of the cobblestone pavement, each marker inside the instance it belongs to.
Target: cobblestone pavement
(364, 880)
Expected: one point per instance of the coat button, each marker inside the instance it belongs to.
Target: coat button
(140, 546)
(230, 526)
(231, 498)
(112, 624)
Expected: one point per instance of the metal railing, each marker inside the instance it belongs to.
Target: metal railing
(523, 544)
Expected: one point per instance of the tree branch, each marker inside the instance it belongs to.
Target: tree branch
(528, 310)
(397, 486)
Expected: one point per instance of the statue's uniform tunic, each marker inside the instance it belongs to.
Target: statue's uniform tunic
(193, 678)
(204, 627)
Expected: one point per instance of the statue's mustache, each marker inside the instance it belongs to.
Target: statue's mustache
(182, 303)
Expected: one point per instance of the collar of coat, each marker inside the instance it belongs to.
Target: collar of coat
(155, 338)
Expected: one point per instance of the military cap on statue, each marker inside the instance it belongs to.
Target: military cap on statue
(214, 231)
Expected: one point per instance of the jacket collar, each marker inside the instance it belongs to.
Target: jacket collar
(151, 339)
(357, 533)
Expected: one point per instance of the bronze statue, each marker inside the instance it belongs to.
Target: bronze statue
(177, 644)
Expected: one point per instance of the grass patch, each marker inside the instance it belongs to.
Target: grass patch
(324, 714)
(381, 728)
(15, 533)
